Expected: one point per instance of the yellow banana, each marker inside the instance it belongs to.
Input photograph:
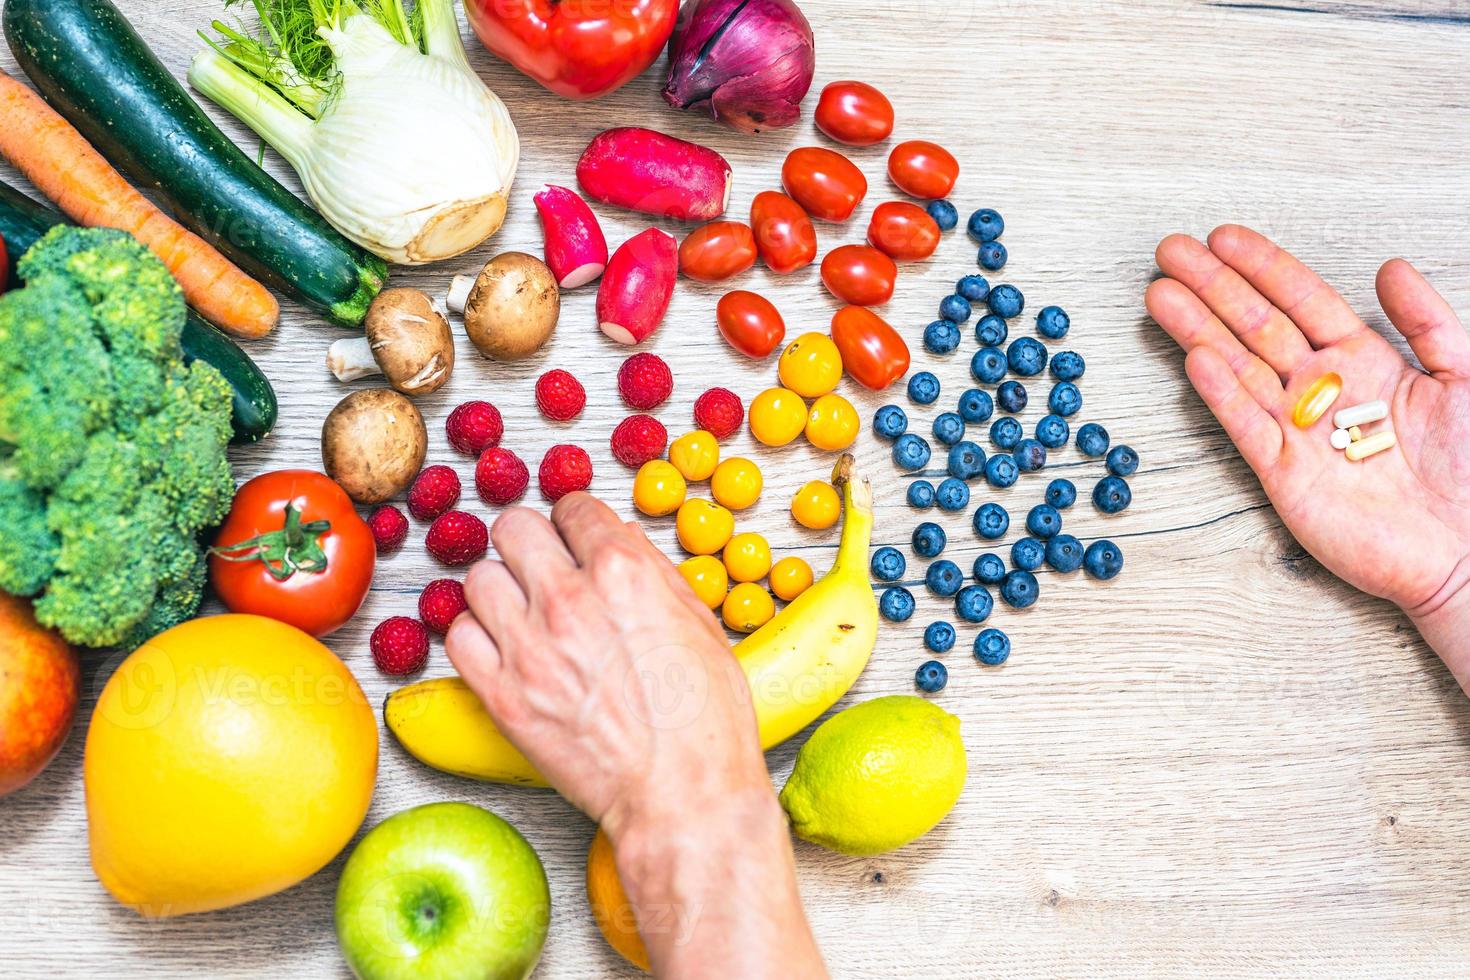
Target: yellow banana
(798, 665)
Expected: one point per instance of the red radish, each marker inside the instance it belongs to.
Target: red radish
(576, 251)
(646, 171)
(637, 287)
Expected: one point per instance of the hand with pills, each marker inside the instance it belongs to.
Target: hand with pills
(1359, 450)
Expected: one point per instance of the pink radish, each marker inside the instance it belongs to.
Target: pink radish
(576, 251)
(646, 171)
(637, 287)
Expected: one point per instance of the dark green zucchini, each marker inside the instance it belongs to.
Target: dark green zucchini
(90, 64)
(23, 222)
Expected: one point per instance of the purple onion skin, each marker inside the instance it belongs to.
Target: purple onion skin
(748, 63)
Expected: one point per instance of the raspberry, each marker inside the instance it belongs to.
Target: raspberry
(441, 601)
(638, 439)
(474, 427)
(458, 538)
(501, 477)
(400, 646)
(719, 412)
(560, 396)
(389, 527)
(434, 491)
(564, 470)
(645, 382)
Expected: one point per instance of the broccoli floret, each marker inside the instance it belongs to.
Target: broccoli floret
(28, 549)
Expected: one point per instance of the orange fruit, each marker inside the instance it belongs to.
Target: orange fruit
(611, 909)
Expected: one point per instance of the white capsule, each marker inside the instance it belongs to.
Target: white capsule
(1341, 439)
(1372, 445)
(1360, 414)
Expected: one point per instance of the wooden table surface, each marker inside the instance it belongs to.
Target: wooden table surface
(1224, 762)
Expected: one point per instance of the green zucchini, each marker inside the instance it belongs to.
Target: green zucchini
(23, 222)
(90, 64)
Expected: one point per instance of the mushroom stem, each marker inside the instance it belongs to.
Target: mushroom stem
(351, 358)
(459, 293)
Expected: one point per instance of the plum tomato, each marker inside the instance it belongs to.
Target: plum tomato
(824, 182)
(750, 323)
(784, 235)
(717, 251)
(903, 231)
(923, 169)
(859, 274)
(873, 353)
(854, 113)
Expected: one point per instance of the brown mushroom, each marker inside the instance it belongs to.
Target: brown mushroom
(405, 339)
(510, 308)
(373, 444)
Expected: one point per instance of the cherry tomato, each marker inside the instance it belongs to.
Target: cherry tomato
(903, 231)
(784, 235)
(717, 251)
(859, 274)
(826, 183)
(923, 169)
(750, 323)
(872, 351)
(294, 549)
(854, 113)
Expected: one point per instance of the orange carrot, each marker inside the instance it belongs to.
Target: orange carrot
(70, 171)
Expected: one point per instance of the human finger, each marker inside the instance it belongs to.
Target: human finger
(1254, 431)
(531, 549)
(1421, 314)
(495, 598)
(587, 525)
(677, 584)
(1186, 318)
(474, 653)
(1317, 310)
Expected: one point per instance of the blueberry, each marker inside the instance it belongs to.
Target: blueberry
(888, 564)
(941, 336)
(944, 215)
(1001, 471)
(1122, 461)
(939, 637)
(1061, 494)
(921, 494)
(1011, 397)
(1053, 323)
(890, 422)
(973, 288)
(1026, 356)
(986, 225)
(1027, 554)
(1065, 399)
(1006, 432)
(976, 406)
(1064, 553)
(992, 521)
(896, 604)
(990, 569)
(1103, 560)
(991, 330)
(931, 677)
(992, 647)
(1044, 521)
(1019, 590)
(928, 540)
(974, 604)
(1006, 301)
(910, 452)
(1052, 431)
(944, 578)
(988, 365)
(923, 388)
(1112, 495)
(966, 461)
(955, 308)
(1030, 455)
(949, 428)
(1068, 366)
(993, 256)
(1092, 440)
(952, 494)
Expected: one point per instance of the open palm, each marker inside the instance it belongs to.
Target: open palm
(1258, 327)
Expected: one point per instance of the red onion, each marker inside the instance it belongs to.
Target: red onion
(748, 63)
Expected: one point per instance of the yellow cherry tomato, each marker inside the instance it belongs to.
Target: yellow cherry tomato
(748, 607)
(810, 365)
(832, 424)
(707, 577)
(747, 557)
(658, 489)
(695, 454)
(737, 483)
(790, 577)
(777, 415)
(816, 506)
(703, 526)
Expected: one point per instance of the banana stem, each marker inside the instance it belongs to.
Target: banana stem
(857, 530)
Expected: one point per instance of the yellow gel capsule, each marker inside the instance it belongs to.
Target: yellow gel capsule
(1372, 445)
(703, 526)
(747, 557)
(737, 483)
(706, 575)
(658, 489)
(790, 577)
(1316, 400)
(695, 454)
(748, 607)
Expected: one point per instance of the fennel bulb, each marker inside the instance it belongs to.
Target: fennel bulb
(397, 141)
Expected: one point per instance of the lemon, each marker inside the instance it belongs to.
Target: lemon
(876, 776)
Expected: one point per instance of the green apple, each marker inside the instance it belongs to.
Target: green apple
(442, 890)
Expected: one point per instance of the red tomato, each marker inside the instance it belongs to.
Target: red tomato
(854, 113)
(872, 351)
(294, 549)
(859, 274)
(717, 251)
(923, 169)
(903, 231)
(750, 323)
(784, 235)
(826, 183)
